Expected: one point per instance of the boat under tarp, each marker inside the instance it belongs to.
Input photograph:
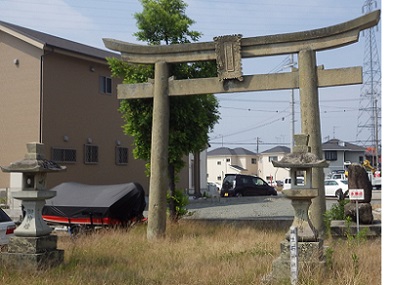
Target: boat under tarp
(82, 204)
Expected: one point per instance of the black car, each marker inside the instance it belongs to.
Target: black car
(245, 185)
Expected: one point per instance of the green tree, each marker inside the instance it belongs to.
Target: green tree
(192, 117)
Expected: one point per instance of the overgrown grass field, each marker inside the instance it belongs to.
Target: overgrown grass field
(196, 253)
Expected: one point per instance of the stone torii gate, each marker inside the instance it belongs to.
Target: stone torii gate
(228, 52)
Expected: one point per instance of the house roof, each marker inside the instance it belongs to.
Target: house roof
(277, 149)
(44, 40)
(221, 151)
(335, 144)
(237, 167)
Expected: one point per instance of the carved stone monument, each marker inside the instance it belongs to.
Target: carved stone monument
(358, 179)
(33, 247)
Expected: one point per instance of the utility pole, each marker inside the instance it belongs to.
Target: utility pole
(292, 64)
(258, 144)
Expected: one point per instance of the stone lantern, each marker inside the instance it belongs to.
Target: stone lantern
(301, 162)
(310, 247)
(32, 243)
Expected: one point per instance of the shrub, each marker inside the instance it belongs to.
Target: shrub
(181, 202)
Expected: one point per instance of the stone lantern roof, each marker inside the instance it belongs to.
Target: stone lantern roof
(33, 161)
(300, 157)
(300, 160)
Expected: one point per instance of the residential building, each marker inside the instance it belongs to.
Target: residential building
(223, 160)
(336, 152)
(60, 93)
(267, 171)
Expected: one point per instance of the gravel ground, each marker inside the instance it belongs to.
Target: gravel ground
(255, 208)
(263, 207)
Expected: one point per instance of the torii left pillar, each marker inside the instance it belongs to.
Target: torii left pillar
(159, 154)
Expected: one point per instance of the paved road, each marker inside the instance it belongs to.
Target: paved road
(261, 207)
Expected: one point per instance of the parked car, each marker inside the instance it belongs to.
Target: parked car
(288, 180)
(245, 185)
(7, 227)
(336, 188)
(341, 176)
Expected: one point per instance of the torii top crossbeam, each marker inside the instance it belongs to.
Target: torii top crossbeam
(228, 51)
(318, 39)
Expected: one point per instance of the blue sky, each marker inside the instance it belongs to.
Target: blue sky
(245, 117)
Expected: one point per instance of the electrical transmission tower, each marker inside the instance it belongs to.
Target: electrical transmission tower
(369, 123)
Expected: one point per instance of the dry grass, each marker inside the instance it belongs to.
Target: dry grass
(196, 253)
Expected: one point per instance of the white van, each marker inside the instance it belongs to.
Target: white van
(340, 176)
(287, 182)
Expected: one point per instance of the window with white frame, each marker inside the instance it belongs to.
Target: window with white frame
(218, 162)
(254, 161)
(272, 158)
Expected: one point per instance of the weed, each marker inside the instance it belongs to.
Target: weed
(194, 252)
(181, 202)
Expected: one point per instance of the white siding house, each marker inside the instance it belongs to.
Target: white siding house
(266, 168)
(223, 160)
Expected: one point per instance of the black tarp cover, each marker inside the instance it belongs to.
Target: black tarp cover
(77, 203)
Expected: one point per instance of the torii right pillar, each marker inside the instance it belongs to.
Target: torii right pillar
(311, 124)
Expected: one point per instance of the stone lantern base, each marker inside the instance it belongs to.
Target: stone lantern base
(310, 255)
(33, 253)
(310, 249)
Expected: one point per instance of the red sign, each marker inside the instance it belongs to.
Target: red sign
(356, 194)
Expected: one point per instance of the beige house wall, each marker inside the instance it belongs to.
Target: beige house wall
(75, 112)
(65, 111)
(246, 162)
(20, 99)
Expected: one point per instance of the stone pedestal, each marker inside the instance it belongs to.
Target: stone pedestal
(301, 201)
(343, 229)
(310, 255)
(33, 224)
(309, 247)
(32, 253)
